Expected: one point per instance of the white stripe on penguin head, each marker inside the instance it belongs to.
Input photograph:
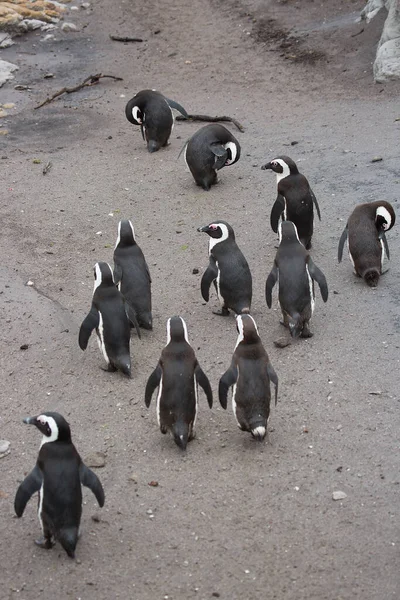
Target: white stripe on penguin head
(185, 333)
(232, 147)
(383, 212)
(285, 167)
(99, 278)
(225, 235)
(135, 114)
(239, 323)
(53, 428)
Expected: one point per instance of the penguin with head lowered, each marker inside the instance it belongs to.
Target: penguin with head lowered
(132, 275)
(295, 199)
(250, 375)
(111, 316)
(210, 149)
(177, 377)
(367, 242)
(58, 476)
(153, 112)
(296, 273)
(228, 270)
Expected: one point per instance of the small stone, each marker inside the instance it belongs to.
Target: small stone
(133, 478)
(294, 143)
(85, 5)
(97, 460)
(21, 88)
(336, 292)
(24, 347)
(149, 511)
(377, 159)
(195, 271)
(4, 448)
(375, 393)
(338, 495)
(48, 76)
(282, 342)
(69, 27)
(153, 483)
(30, 283)
(9, 105)
(3, 113)
(96, 518)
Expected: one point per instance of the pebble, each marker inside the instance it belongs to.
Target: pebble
(195, 271)
(85, 5)
(282, 342)
(96, 460)
(4, 448)
(338, 495)
(376, 159)
(69, 27)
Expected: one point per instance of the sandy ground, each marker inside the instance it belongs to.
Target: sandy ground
(231, 518)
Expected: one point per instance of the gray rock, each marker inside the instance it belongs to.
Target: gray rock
(6, 68)
(338, 495)
(4, 448)
(387, 62)
(96, 460)
(69, 27)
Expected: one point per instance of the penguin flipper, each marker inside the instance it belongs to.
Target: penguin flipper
(152, 383)
(183, 148)
(31, 484)
(91, 481)
(277, 210)
(89, 323)
(274, 378)
(314, 199)
(269, 284)
(342, 240)
(221, 155)
(117, 273)
(177, 106)
(131, 314)
(142, 130)
(228, 378)
(203, 381)
(382, 237)
(209, 275)
(319, 277)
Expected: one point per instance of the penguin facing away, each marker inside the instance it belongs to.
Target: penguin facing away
(153, 112)
(110, 315)
(228, 270)
(295, 199)
(296, 273)
(250, 375)
(210, 149)
(177, 377)
(367, 241)
(132, 275)
(58, 476)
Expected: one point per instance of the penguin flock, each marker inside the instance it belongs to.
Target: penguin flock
(122, 300)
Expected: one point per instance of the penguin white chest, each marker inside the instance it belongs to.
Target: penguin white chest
(100, 338)
(310, 283)
(159, 403)
(40, 506)
(218, 283)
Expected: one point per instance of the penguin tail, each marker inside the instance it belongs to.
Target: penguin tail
(245, 310)
(180, 432)
(68, 538)
(295, 325)
(371, 277)
(259, 433)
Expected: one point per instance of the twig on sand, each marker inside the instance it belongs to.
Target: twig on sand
(119, 38)
(211, 120)
(358, 33)
(89, 81)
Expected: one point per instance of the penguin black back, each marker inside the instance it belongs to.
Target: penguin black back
(177, 375)
(210, 149)
(295, 198)
(250, 373)
(132, 274)
(57, 476)
(228, 270)
(366, 229)
(152, 111)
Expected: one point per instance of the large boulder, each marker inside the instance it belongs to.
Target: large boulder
(387, 61)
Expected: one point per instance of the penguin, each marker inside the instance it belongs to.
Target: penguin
(153, 112)
(367, 242)
(210, 149)
(132, 275)
(296, 272)
(177, 376)
(295, 199)
(250, 375)
(58, 476)
(110, 315)
(228, 269)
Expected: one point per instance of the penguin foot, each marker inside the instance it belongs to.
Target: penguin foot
(224, 312)
(163, 429)
(308, 245)
(192, 436)
(109, 368)
(306, 333)
(283, 323)
(45, 542)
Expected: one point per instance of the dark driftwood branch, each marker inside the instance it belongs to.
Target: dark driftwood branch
(119, 38)
(89, 81)
(211, 120)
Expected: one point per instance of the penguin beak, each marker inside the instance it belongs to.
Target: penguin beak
(203, 229)
(267, 166)
(29, 421)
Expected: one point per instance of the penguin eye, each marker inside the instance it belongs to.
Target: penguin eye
(42, 420)
(274, 163)
(213, 227)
